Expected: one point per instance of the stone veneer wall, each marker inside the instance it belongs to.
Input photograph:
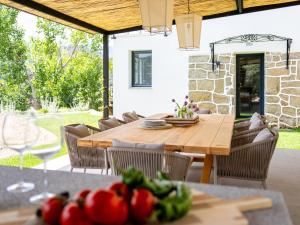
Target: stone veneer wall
(216, 90)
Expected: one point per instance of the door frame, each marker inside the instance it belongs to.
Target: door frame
(261, 56)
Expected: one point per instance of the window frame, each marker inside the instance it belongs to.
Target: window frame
(133, 69)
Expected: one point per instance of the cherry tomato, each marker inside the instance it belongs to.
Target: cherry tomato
(121, 189)
(74, 215)
(81, 195)
(52, 209)
(106, 208)
(141, 205)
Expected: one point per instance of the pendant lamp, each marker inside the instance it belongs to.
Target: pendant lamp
(189, 30)
(157, 15)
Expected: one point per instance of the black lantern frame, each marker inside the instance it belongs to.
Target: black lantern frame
(250, 38)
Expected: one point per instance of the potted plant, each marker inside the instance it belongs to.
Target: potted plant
(187, 110)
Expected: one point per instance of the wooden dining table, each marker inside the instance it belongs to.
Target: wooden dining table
(210, 136)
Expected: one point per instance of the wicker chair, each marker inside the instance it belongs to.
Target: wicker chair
(109, 123)
(149, 161)
(247, 160)
(242, 125)
(204, 111)
(86, 158)
(131, 116)
(249, 131)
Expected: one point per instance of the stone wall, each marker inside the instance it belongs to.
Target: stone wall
(216, 90)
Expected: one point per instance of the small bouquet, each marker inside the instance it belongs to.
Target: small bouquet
(187, 110)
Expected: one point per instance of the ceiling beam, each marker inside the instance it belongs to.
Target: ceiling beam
(230, 13)
(125, 30)
(239, 5)
(54, 13)
(253, 9)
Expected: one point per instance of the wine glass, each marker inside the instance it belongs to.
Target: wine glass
(1, 126)
(19, 134)
(48, 144)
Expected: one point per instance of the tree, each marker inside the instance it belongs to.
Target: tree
(65, 64)
(58, 62)
(13, 85)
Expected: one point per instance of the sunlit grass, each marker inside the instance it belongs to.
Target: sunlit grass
(289, 139)
(28, 161)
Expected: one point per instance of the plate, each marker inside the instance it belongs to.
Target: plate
(167, 126)
(153, 123)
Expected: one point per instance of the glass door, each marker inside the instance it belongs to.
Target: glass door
(249, 84)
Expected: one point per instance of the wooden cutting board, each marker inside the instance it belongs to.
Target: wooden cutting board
(210, 210)
(176, 120)
(206, 210)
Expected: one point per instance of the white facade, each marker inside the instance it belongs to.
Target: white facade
(170, 65)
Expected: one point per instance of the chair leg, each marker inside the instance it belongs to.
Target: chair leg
(106, 162)
(71, 169)
(264, 184)
(84, 170)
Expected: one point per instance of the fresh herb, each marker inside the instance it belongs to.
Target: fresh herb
(174, 199)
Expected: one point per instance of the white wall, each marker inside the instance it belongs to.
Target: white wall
(169, 75)
(170, 65)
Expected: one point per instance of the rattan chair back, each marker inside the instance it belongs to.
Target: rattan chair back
(148, 161)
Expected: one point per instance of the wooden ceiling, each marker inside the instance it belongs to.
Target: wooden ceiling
(114, 16)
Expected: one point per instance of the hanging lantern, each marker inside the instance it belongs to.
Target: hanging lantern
(157, 15)
(189, 30)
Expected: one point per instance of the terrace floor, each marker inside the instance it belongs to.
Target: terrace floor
(284, 177)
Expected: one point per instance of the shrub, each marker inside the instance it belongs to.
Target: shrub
(7, 107)
(50, 105)
(80, 106)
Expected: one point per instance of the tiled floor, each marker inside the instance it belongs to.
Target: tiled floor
(284, 176)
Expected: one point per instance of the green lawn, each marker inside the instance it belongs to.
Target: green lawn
(289, 139)
(31, 161)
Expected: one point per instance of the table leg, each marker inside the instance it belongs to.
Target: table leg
(215, 170)
(208, 162)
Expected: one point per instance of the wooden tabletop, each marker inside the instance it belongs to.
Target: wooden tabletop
(212, 135)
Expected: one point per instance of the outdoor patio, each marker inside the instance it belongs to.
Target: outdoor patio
(207, 136)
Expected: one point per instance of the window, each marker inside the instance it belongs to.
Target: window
(141, 69)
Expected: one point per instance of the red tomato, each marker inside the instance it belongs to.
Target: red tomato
(106, 208)
(121, 189)
(51, 210)
(141, 205)
(82, 194)
(74, 215)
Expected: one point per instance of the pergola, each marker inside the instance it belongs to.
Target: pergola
(110, 17)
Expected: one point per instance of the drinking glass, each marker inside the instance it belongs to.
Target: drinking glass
(1, 128)
(19, 134)
(50, 142)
